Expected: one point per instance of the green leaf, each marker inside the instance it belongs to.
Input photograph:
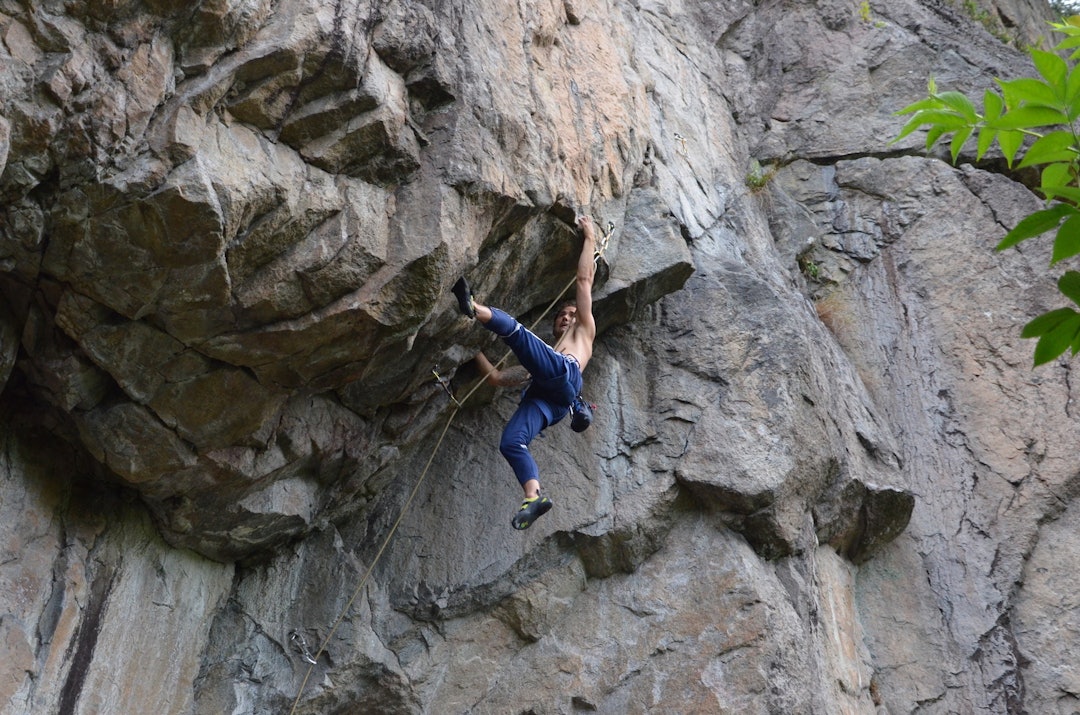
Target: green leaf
(946, 119)
(1072, 94)
(1028, 90)
(1068, 43)
(1046, 322)
(909, 126)
(1053, 69)
(1067, 243)
(1055, 175)
(1036, 224)
(933, 135)
(942, 117)
(927, 103)
(1062, 192)
(959, 103)
(992, 104)
(1055, 146)
(986, 138)
(1027, 117)
(1069, 285)
(1053, 343)
(959, 140)
(1010, 142)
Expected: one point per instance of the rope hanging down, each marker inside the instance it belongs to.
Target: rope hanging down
(607, 231)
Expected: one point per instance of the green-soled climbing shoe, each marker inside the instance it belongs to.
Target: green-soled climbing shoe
(530, 511)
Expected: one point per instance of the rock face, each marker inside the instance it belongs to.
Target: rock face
(822, 476)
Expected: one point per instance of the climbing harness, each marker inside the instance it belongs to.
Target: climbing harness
(295, 637)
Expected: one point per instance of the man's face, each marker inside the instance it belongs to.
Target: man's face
(564, 319)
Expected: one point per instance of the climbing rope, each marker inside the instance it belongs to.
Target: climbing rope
(606, 231)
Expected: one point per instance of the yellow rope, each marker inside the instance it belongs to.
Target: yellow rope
(405, 507)
(367, 574)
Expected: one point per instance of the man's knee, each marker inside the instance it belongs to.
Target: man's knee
(511, 445)
(517, 456)
(502, 324)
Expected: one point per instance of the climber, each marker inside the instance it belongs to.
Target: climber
(553, 375)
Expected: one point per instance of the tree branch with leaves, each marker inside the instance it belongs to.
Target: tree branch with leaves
(1033, 119)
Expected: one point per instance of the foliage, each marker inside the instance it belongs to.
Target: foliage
(1064, 8)
(867, 16)
(864, 11)
(989, 20)
(1034, 122)
(809, 267)
(758, 176)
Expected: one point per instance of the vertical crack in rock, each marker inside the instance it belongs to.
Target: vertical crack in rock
(81, 652)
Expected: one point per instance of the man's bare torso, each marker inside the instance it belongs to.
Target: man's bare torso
(575, 344)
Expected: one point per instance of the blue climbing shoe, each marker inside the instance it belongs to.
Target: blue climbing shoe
(464, 297)
(530, 511)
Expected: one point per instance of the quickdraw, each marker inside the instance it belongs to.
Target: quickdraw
(445, 383)
(301, 647)
(682, 142)
(606, 233)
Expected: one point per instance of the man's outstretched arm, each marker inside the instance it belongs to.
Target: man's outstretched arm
(510, 377)
(586, 272)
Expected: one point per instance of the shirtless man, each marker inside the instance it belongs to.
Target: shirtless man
(553, 374)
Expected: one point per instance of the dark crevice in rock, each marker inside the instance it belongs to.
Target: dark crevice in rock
(431, 602)
(1029, 176)
(81, 654)
(623, 550)
(999, 652)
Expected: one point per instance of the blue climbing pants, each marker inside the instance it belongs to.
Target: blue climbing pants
(556, 381)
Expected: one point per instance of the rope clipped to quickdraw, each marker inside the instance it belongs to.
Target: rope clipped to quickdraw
(606, 232)
(444, 382)
(367, 574)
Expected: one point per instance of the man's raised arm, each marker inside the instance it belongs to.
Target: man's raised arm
(586, 272)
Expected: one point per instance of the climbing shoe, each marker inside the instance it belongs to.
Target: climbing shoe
(464, 298)
(530, 511)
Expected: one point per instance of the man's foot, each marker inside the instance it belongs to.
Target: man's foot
(530, 511)
(464, 298)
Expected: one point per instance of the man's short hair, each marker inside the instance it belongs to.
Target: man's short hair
(565, 304)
